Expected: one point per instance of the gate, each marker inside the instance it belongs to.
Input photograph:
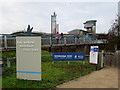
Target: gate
(112, 59)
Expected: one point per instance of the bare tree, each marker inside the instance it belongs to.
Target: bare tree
(114, 34)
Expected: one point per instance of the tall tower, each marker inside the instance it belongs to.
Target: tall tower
(53, 24)
(57, 27)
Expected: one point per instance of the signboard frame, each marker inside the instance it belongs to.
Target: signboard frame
(94, 54)
(28, 57)
(68, 56)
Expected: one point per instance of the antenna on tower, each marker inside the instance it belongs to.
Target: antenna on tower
(54, 14)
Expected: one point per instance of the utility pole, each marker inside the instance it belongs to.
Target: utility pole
(118, 18)
(118, 25)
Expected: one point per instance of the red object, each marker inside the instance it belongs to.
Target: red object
(57, 35)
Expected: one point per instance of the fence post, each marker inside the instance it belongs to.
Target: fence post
(65, 41)
(102, 58)
(8, 62)
(50, 41)
(84, 41)
(75, 40)
(5, 42)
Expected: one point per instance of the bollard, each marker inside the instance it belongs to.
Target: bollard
(8, 62)
(68, 62)
(52, 62)
(83, 62)
(1, 67)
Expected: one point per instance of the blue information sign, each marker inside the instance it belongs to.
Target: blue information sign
(94, 48)
(68, 56)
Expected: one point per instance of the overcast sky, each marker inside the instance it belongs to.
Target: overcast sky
(16, 16)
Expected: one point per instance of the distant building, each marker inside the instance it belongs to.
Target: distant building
(57, 28)
(54, 25)
(22, 33)
(90, 26)
(75, 31)
(83, 32)
(78, 32)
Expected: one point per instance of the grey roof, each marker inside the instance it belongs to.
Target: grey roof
(90, 21)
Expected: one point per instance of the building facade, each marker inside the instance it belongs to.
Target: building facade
(90, 26)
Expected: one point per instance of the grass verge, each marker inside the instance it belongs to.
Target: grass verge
(52, 74)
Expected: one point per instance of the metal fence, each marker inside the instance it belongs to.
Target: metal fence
(112, 59)
(10, 42)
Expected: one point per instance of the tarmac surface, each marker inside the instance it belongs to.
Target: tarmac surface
(104, 78)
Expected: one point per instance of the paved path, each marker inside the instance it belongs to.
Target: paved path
(104, 78)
